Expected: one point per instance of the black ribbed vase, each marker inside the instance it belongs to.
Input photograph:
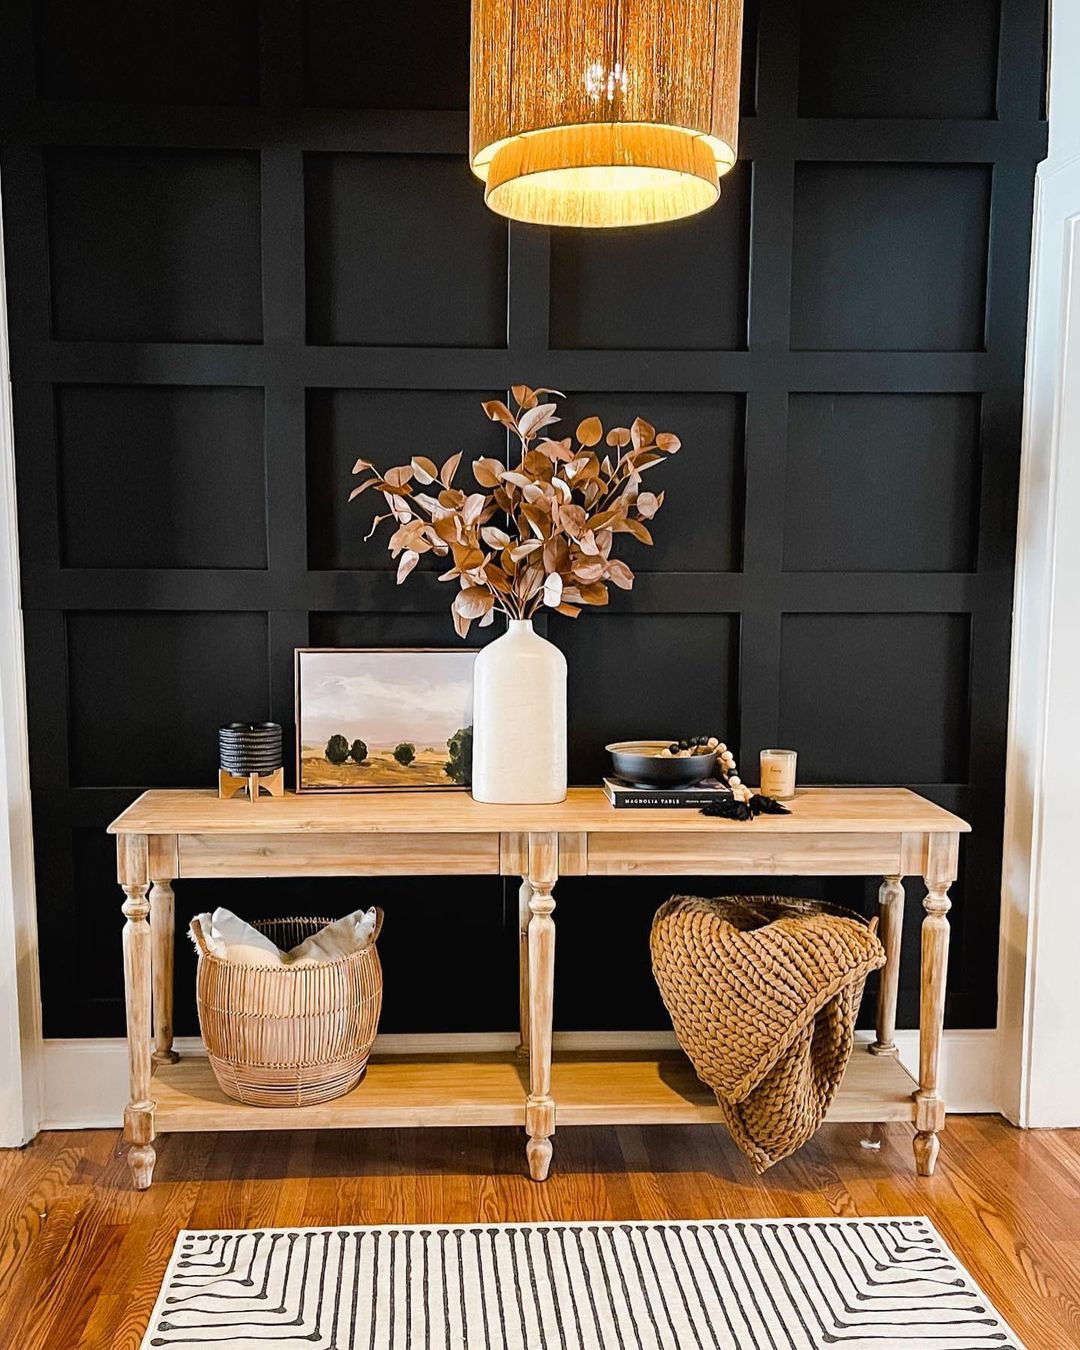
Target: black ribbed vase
(250, 747)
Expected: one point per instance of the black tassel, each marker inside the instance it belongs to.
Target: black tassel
(731, 808)
(767, 806)
(727, 808)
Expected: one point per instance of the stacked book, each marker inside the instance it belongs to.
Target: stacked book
(622, 794)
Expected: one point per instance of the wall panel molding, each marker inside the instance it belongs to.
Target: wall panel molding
(316, 278)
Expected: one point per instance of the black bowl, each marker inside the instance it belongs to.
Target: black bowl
(638, 762)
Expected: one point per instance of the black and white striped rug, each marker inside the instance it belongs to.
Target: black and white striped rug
(863, 1284)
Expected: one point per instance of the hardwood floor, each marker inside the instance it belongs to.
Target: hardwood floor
(82, 1255)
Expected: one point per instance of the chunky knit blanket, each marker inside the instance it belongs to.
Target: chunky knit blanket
(763, 993)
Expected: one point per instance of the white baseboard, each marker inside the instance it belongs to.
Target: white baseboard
(969, 1068)
(86, 1080)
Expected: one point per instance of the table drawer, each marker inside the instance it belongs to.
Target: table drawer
(675, 853)
(336, 855)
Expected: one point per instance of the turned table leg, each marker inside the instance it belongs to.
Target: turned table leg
(891, 916)
(929, 1104)
(540, 1107)
(139, 1113)
(162, 931)
(525, 895)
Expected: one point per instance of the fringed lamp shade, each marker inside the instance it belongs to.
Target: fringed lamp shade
(603, 112)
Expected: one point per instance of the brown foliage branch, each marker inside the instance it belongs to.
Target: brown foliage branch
(559, 509)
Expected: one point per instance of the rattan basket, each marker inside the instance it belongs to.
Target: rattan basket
(289, 1036)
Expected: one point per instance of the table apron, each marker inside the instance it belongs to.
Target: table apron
(648, 853)
(340, 855)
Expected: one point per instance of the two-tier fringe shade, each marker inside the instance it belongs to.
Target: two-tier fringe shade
(603, 112)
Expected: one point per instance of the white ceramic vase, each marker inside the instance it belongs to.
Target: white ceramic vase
(519, 719)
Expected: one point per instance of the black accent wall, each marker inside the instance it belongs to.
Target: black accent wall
(243, 246)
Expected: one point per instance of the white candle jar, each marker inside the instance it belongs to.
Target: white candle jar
(778, 774)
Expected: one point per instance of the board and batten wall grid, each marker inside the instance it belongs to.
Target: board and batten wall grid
(243, 246)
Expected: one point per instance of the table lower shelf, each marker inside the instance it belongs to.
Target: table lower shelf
(490, 1089)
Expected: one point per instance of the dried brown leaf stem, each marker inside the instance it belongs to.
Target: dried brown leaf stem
(539, 532)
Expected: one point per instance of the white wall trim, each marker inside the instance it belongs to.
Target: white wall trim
(86, 1080)
(20, 998)
(1038, 1011)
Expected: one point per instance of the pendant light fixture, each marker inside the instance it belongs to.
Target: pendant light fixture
(603, 112)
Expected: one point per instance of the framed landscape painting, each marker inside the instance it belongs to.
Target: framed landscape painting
(371, 718)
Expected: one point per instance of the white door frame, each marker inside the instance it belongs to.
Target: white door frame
(20, 997)
(1039, 970)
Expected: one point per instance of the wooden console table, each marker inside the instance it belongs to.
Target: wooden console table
(165, 835)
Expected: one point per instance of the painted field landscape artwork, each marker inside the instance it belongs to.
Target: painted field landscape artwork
(370, 718)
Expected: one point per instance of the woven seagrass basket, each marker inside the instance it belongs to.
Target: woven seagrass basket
(289, 1036)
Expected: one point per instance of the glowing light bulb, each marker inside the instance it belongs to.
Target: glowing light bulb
(602, 83)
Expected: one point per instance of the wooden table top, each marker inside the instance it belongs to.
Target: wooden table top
(826, 810)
